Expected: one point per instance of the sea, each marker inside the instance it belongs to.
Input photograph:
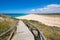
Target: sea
(16, 15)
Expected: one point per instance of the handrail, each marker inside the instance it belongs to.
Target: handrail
(41, 34)
(12, 33)
(8, 30)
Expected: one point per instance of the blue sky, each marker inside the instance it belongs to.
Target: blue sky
(28, 6)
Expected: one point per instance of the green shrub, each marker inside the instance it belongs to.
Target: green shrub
(51, 33)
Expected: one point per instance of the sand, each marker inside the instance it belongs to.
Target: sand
(50, 20)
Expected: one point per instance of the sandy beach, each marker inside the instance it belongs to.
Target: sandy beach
(50, 20)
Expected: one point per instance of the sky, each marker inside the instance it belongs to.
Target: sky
(29, 6)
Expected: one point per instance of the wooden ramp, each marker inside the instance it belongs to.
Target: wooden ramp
(22, 32)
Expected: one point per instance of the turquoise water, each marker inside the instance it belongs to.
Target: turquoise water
(16, 15)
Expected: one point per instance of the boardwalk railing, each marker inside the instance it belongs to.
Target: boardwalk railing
(12, 29)
(42, 37)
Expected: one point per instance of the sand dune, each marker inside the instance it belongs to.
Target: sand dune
(50, 20)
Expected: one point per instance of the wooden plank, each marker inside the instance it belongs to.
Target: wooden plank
(23, 33)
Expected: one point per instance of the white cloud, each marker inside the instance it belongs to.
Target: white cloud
(52, 8)
(33, 10)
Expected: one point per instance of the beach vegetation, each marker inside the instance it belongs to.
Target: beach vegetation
(7, 23)
(50, 32)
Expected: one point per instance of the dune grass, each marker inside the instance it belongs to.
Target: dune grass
(6, 25)
(50, 32)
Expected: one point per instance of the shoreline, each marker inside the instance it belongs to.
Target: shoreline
(45, 19)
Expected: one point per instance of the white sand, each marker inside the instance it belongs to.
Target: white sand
(45, 19)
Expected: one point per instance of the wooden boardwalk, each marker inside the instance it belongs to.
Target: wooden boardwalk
(22, 32)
